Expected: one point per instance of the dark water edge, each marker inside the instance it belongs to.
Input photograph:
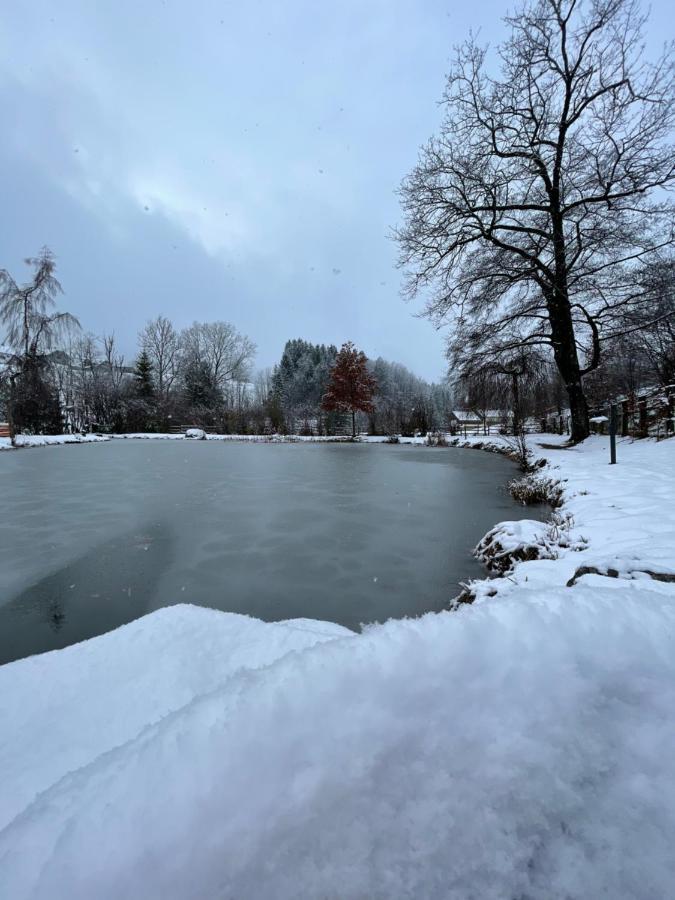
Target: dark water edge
(94, 536)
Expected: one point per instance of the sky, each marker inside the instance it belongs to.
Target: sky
(218, 160)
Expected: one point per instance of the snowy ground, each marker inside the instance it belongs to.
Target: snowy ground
(25, 440)
(617, 519)
(48, 440)
(520, 747)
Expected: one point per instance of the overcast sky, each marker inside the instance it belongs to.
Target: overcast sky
(227, 160)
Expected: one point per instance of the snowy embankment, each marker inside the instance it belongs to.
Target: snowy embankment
(518, 747)
(613, 521)
(44, 440)
(49, 440)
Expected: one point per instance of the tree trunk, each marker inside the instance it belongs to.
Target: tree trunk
(353, 424)
(10, 410)
(516, 404)
(567, 359)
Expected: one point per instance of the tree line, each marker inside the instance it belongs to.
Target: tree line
(55, 377)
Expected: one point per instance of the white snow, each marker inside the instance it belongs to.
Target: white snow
(517, 748)
(141, 671)
(617, 518)
(48, 440)
(195, 434)
(525, 537)
(25, 440)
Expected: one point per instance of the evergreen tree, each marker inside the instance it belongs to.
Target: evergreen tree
(145, 388)
(200, 390)
(34, 401)
(299, 383)
(351, 386)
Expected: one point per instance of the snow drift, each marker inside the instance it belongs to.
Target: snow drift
(513, 749)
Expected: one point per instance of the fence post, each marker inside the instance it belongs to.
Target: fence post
(612, 435)
(642, 413)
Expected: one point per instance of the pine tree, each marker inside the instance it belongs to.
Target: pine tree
(145, 388)
(200, 391)
(351, 386)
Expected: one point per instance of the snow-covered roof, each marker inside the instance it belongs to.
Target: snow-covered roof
(466, 415)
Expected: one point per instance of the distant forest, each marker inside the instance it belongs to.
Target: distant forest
(56, 377)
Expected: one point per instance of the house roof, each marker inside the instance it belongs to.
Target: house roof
(466, 415)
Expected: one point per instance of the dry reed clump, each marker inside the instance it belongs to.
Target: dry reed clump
(534, 489)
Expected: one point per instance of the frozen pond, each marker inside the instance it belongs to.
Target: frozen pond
(93, 536)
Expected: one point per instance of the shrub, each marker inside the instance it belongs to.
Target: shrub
(536, 489)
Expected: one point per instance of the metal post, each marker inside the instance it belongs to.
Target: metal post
(612, 435)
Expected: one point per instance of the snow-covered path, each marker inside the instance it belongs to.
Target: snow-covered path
(520, 747)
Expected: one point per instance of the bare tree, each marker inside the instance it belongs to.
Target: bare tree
(160, 341)
(113, 361)
(222, 349)
(24, 309)
(532, 214)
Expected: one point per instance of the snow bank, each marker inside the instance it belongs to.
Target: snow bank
(510, 542)
(100, 693)
(48, 440)
(45, 440)
(147, 436)
(514, 749)
(617, 520)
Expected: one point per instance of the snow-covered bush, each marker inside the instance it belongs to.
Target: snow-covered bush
(436, 439)
(511, 542)
(195, 434)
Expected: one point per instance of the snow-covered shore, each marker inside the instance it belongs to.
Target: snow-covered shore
(618, 520)
(50, 440)
(518, 747)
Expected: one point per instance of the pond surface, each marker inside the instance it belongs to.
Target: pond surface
(93, 536)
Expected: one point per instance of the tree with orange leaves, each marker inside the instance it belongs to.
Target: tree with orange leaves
(351, 386)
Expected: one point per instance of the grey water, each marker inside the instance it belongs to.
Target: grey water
(94, 536)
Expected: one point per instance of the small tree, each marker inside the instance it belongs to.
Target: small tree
(351, 386)
(145, 388)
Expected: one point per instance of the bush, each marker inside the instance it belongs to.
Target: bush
(534, 489)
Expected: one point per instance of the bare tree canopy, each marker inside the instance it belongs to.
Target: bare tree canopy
(221, 348)
(160, 341)
(529, 219)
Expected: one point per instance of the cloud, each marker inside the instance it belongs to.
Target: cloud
(262, 141)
